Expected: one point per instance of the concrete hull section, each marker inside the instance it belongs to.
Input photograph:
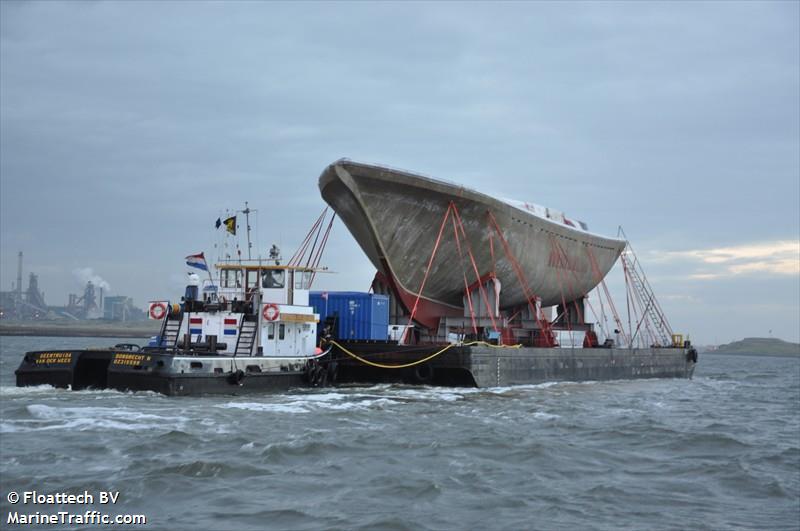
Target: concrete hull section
(491, 368)
(484, 366)
(395, 216)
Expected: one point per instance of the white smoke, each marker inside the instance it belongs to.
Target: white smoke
(87, 274)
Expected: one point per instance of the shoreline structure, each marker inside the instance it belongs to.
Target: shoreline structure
(102, 329)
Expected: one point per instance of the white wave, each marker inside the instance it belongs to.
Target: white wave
(78, 424)
(8, 427)
(48, 418)
(24, 391)
(323, 397)
(432, 393)
(545, 416)
(524, 387)
(260, 406)
(359, 405)
(45, 412)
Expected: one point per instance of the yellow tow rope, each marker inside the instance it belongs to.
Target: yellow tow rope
(423, 360)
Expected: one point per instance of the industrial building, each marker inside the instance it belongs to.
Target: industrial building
(29, 304)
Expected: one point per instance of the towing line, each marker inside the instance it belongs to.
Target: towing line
(423, 360)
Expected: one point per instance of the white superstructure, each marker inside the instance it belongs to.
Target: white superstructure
(252, 309)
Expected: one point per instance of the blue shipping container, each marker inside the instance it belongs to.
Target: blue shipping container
(361, 315)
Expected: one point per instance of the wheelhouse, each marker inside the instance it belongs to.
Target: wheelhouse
(251, 309)
(278, 284)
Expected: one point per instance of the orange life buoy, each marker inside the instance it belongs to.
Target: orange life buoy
(271, 312)
(158, 310)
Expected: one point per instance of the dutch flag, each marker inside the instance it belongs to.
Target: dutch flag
(230, 327)
(197, 260)
(194, 323)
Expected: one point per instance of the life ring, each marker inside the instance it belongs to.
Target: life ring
(158, 310)
(271, 312)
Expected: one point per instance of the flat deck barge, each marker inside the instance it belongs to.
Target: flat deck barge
(485, 365)
(480, 365)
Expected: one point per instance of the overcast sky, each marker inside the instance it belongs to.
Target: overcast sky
(126, 128)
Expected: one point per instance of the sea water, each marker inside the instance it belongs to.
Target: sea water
(720, 451)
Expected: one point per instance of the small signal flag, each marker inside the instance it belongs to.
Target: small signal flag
(230, 225)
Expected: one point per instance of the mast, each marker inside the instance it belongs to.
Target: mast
(246, 213)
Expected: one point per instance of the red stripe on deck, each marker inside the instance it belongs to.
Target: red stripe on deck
(196, 320)
(231, 321)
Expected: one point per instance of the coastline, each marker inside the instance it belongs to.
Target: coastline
(126, 330)
(753, 354)
(760, 346)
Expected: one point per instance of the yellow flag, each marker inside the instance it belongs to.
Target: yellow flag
(230, 224)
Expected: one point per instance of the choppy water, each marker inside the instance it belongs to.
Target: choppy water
(721, 451)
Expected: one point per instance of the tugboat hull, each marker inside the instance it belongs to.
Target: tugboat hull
(168, 374)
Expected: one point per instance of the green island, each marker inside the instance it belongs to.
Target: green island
(762, 346)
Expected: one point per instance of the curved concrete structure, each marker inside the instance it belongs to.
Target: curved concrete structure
(395, 217)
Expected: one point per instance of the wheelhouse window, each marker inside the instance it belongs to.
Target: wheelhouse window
(271, 331)
(273, 278)
(281, 331)
(231, 278)
(302, 280)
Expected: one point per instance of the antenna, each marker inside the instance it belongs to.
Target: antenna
(246, 213)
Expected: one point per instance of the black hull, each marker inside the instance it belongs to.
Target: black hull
(189, 385)
(177, 374)
(110, 369)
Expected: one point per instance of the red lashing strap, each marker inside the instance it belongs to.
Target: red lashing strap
(427, 270)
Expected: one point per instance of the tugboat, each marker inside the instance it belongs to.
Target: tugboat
(251, 329)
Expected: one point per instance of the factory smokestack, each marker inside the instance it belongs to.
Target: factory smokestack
(19, 274)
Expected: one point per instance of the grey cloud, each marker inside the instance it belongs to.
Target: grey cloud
(125, 127)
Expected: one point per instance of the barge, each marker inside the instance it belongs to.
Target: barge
(486, 365)
(505, 302)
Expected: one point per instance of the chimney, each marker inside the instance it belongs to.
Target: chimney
(19, 274)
